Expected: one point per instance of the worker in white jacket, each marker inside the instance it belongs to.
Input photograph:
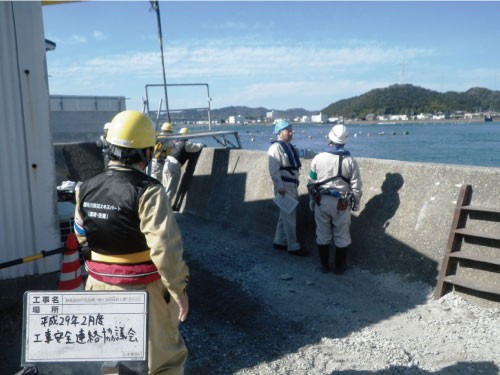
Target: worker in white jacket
(179, 154)
(284, 169)
(335, 189)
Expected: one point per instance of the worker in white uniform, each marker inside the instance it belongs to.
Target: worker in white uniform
(162, 149)
(335, 189)
(179, 154)
(103, 144)
(284, 166)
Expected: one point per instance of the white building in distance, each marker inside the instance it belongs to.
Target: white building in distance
(319, 118)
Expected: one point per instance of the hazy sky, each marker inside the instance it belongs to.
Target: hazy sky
(278, 55)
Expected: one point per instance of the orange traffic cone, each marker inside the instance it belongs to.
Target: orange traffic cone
(71, 272)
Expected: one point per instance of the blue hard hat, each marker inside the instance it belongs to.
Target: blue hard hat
(279, 125)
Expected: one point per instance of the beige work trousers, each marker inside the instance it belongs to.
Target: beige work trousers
(171, 177)
(167, 352)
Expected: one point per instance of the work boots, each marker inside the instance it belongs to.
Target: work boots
(340, 260)
(324, 257)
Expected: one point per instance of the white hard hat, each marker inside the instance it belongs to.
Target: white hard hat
(106, 125)
(339, 134)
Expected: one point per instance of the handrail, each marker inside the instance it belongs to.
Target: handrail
(218, 136)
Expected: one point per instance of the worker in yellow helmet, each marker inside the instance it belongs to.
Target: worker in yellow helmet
(180, 153)
(135, 244)
(161, 150)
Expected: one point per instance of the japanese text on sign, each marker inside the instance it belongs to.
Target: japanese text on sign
(85, 326)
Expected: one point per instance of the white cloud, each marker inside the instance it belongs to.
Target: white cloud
(77, 39)
(312, 95)
(276, 76)
(99, 35)
(237, 25)
(272, 60)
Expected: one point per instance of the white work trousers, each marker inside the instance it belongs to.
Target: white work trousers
(332, 223)
(286, 229)
(157, 169)
(171, 177)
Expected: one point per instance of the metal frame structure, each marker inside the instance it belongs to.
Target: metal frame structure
(168, 110)
(221, 137)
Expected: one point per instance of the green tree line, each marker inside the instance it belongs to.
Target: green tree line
(412, 100)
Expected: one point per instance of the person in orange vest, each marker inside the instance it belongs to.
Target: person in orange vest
(125, 218)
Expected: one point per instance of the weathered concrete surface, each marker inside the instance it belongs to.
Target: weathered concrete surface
(402, 226)
(77, 161)
(403, 223)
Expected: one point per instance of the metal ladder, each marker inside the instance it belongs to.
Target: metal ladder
(448, 276)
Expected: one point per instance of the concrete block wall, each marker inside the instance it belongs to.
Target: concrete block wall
(403, 223)
(402, 226)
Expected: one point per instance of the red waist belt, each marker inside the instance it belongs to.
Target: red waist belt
(123, 274)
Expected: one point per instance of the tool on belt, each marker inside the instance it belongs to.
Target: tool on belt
(344, 198)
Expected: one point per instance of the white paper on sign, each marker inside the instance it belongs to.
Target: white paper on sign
(286, 203)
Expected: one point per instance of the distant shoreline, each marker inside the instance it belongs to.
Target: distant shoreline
(363, 122)
(446, 121)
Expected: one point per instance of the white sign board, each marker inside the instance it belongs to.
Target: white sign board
(85, 326)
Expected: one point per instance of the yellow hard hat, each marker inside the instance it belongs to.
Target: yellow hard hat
(184, 131)
(167, 127)
(131, 129)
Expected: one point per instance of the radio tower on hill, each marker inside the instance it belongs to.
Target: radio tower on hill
(402, 72)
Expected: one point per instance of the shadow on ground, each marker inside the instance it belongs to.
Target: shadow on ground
(461, 368)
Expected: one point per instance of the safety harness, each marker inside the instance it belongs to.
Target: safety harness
(294, 158)
(161, 152)
(123, 274)
(316, 191)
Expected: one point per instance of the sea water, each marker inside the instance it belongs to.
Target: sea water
(465, 143)
(450, 143)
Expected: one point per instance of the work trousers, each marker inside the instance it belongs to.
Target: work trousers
(167, 352)
(332, 223)
(157, 169)
(171, 178)
(286, 228)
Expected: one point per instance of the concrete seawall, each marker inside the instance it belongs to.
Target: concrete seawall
(403, 223)
(402, 226)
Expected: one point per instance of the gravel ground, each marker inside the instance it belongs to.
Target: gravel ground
(256, 310)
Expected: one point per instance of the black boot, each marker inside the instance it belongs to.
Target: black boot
(340, 260)
(324, 257)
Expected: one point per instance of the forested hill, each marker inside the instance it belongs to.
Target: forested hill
(409, 99)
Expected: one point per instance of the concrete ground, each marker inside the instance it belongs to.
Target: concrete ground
(256, 310)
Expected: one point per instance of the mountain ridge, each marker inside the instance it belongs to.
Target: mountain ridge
(395, 99)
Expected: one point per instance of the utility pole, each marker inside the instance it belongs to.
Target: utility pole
(402, 72)
(156, 6)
